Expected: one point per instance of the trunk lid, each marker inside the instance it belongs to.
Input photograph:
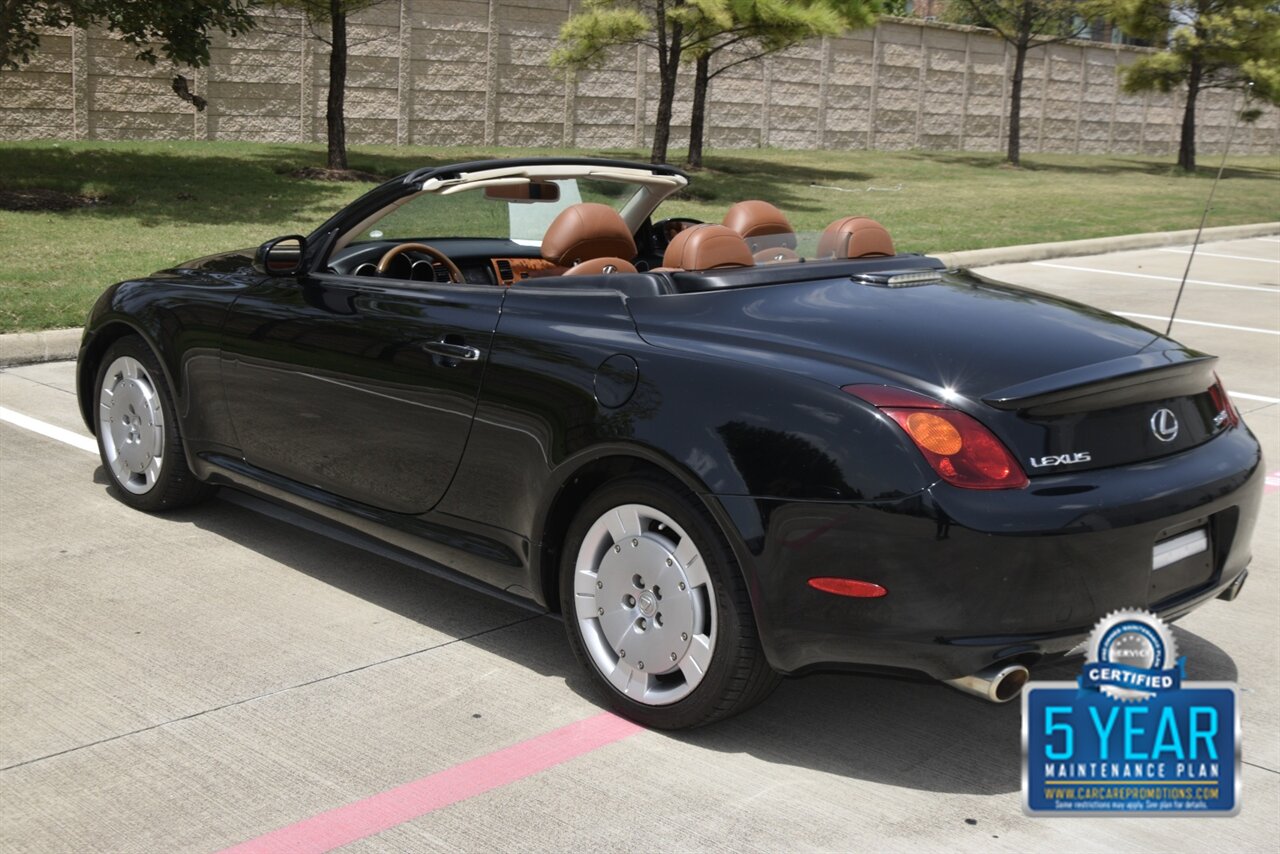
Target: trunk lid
(1067, 387)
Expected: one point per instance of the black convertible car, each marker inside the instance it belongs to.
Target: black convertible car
(724, 452)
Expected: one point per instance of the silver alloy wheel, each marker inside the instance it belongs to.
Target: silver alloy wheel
(645, 604)
(131, 425)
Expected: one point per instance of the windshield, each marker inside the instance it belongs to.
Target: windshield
(475, 213)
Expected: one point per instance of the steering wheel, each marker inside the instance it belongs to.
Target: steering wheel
(665, 230)
(455, 275)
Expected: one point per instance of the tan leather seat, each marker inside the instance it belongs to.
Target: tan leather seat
(601, 267)
(707, 247)
(766, 229)
(589, 234)
(855, 237)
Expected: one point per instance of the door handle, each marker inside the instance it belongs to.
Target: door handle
(449, 350)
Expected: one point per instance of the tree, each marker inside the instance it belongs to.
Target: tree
(1211, 44)
(333, 15)
(698, 30)
(179, 30)
(662, 25)
(755, 29)
(1026, 25)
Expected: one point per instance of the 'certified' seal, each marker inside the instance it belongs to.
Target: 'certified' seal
(1132, 655)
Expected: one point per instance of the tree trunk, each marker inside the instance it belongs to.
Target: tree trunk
(1014, 154)
(698, 115)
(669, 49)
(1187, 145)
(662, 122)
(335, 121)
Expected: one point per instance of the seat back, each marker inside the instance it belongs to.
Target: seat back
(855, 237)
(587, 231)
(707, 247)
(601, 266)
(764, 227)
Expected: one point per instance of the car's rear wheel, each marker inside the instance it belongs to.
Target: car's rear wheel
(138, 434)
(656, 609)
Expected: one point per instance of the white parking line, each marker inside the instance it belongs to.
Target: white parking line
(1267, 290)
(1256, 397)
(50, 431)
(1200, 253)
(1198, 323)
(1268, 239)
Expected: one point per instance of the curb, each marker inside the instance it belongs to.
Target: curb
(53, 345)
(1099, 245)
(49, 345)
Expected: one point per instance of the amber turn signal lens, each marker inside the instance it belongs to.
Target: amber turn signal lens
(934, 433)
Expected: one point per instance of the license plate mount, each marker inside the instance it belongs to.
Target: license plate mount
(1181, 560)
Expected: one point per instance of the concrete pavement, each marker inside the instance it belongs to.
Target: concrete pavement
(192, 681)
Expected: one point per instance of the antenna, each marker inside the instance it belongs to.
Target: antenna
(1208, 202)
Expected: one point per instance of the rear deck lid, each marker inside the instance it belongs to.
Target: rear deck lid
(1116, 412)
(1065, 386)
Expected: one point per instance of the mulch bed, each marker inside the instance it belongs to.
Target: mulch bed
(40, 199)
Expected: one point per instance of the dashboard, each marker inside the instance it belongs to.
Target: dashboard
(483, 261)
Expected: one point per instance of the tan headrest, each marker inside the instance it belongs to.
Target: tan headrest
(584, 231)
(707, 247)
(601, 267)
(756, 219)
(855, 237)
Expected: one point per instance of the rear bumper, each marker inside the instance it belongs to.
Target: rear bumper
(978, 577)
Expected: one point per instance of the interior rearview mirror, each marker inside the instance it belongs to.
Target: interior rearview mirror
(533, 191)
(281, 256)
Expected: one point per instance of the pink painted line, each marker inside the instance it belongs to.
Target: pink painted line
(1272, 483)
(343, 825)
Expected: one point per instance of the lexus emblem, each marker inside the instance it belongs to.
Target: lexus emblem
(1164, 425)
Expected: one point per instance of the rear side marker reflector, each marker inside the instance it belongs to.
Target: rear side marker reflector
(848, 587)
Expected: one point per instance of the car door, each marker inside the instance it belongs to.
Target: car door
(364, 388)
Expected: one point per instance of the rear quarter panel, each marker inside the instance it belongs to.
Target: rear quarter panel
(718, 425)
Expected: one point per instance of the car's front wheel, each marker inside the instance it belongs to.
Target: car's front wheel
(138, 436)
(656, 608)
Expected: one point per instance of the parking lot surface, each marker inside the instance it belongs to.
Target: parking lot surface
(239, 674)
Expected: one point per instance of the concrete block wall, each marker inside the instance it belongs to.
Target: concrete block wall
(473, 72)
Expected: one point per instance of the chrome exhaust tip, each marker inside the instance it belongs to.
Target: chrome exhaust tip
(998, 683)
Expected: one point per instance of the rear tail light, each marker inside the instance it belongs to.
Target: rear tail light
(956, 446)
(1226, 414)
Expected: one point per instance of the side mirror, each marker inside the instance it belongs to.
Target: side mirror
(281, 256)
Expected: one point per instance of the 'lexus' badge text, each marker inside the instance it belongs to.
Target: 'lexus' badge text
(1061, 459)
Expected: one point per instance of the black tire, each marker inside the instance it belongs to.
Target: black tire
(173, 485)
(737, 676)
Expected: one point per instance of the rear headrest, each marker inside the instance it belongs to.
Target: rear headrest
(855, 237)
(707, 247)
(584, 231)
(755, 219)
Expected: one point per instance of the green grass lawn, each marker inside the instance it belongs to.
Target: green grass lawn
(165, 202)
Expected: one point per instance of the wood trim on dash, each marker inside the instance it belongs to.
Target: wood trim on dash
(508, 270)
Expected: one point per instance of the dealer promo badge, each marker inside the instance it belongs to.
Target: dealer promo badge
(1131, 736)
